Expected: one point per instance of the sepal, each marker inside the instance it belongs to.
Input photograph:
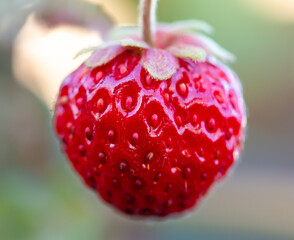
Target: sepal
(159, 63)
(186, 26)
(215, 49)
(188, 51)
(104, 55)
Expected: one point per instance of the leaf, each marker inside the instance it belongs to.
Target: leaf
(190, 26)
(160, 64)
(215, 49)
(104, 54)
(129, 42)
(122, 32)
(188, 51)
(85, 51)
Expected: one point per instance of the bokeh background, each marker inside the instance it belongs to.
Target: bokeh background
(41, 198)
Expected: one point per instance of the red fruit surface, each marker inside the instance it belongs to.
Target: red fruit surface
(149, 147)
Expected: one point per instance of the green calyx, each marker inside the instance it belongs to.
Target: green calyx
(183, 39)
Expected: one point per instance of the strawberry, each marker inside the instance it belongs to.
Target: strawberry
(152, 126)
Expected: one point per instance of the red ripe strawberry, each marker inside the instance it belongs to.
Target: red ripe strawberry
(152, 129)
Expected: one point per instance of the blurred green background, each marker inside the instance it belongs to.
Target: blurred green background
(41, 198)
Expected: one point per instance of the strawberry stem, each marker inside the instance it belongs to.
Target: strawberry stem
(148, 18)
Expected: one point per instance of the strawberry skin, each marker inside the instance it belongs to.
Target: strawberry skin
(149, 147)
